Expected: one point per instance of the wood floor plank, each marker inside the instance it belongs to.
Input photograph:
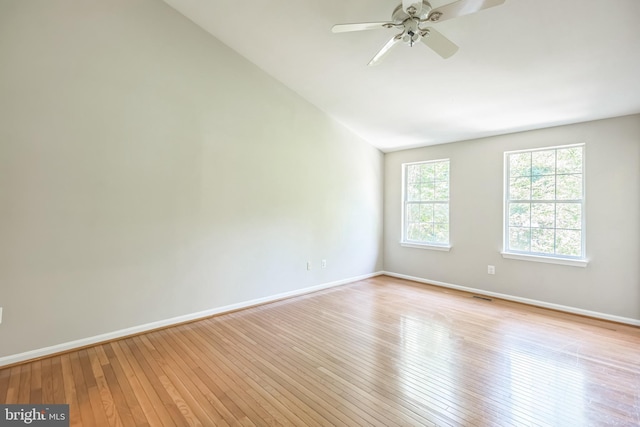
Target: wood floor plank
(289, 381)
(4, 383)
(25, 383)
(230, 385)
(87, 417)
(171, 415)
(356, 360)
(75, 416)
(47, 381)
(193, 404)
(310, 374)
(126, 398)
(129, 372)
(106, 392)
(251, 370)
(378, 352)
(35, 392)
(215, 378)
(101, 407)
(13, 385)
(206, 403)
(57, 380)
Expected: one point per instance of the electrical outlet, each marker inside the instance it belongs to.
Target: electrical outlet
(308, 265)
(324, 263)
(491, 269)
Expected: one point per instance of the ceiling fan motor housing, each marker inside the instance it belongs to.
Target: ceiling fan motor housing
(399, 15)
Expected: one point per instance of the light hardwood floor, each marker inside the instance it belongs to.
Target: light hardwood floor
(382, 351)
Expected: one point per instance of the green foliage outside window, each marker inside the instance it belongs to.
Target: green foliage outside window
(545, 202)
(426, 206)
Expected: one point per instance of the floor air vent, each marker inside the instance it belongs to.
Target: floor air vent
(481, 297)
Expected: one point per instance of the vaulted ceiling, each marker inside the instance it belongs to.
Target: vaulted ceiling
(521, 65)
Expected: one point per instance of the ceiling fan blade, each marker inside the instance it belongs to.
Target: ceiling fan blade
(345, 28)
(460, 8)
(439, 43)
(416, 4)
(385, 49)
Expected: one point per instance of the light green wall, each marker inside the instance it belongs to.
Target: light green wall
(147, 172)
(610, 284)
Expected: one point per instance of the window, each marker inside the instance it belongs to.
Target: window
(426, 204)
(544, 203)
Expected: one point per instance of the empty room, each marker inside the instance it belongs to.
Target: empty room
(319, 213)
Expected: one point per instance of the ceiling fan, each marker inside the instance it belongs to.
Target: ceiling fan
(413, 17)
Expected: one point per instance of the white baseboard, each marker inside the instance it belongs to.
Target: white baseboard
(564, 308)
(71, 345)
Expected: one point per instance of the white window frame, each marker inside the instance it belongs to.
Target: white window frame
(417, 244)
(578, 261)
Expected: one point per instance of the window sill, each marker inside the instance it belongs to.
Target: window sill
(563, 261)
(426, 246)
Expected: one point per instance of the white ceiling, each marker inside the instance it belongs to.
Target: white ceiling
(522, 65)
